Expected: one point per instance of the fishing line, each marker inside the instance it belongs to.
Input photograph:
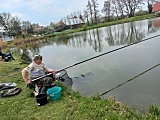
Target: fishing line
(98, 56)
(110, 51)
(119, 85)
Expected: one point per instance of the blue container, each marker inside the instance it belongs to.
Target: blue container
(54, 93)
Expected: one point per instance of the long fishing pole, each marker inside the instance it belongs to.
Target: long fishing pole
(119, 85)
(97, 56)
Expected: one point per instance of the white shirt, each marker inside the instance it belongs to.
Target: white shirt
(36, 70)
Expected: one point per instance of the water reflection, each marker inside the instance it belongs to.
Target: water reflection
(153, 26)
(115, 35)
(30, 49)
(122, 34)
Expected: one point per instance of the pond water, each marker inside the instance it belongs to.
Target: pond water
(128, 68)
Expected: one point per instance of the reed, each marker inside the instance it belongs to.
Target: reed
(2, 44)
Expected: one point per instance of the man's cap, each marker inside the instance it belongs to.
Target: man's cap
(36, 57)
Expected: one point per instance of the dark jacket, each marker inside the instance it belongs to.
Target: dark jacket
(1, 54)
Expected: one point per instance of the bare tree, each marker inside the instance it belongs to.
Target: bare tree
(2, 22)
(115, 8)
(80, 17)
(52, 26)
(120, 8)
(6, 18)
(15, 26)
(107, 9)
(95, 9)
(150, 5)
(86, 16)
(77, 19)
(34, 25)
(64, 20)
(131, 6)
(73, 16)
(12, 25)
(89, 9)
(68, 20)
(26, 26)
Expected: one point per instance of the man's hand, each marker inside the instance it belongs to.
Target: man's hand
(54, 71)
(28, 81)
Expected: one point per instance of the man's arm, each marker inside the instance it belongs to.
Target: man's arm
(25, 77)
(49, 70)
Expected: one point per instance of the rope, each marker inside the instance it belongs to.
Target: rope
(130, 79)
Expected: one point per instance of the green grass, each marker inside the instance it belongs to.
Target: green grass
(71, 105)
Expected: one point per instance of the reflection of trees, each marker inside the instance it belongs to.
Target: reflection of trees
(153, 26)
(82, 39)
(97, 46)
(114, 35)
(122, 34)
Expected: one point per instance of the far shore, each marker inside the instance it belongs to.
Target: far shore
(19, 41)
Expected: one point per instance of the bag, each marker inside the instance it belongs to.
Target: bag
(7, 85)
(10, 92)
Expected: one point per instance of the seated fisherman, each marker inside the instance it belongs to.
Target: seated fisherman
(38, 69)
(1, 54)
(8, 55)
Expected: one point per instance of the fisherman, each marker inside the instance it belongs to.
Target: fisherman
(37, 69)
(7, 56)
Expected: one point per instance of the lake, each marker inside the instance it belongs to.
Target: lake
(131, 74)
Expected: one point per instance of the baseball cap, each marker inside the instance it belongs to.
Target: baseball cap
(36, 57)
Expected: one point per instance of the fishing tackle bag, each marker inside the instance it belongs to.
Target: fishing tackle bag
(10, 92)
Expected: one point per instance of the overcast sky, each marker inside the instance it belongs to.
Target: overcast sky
(43, 11)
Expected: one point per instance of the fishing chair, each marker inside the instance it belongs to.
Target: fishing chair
(41, 85)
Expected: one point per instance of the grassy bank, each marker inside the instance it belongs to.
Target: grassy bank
(71, 106)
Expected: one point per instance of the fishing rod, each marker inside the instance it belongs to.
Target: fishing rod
(119, 85)
(96, 57)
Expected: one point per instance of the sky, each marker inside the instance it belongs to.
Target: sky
(43, 12)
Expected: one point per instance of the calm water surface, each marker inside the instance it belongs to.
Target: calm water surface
(104, 73)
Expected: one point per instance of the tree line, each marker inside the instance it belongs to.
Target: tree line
(14, 26)
(112, 10)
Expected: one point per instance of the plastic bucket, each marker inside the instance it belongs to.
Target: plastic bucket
(41, 99)
(54, 93)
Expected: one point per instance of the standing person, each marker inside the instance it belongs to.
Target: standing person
(37, 69)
